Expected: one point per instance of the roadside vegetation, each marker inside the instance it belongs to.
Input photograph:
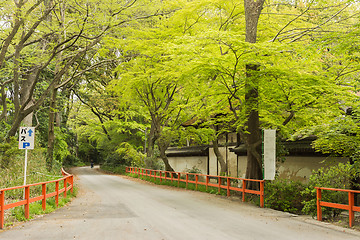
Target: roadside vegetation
(35, 210)
(287, 195)
(37, 171)
(117, 83)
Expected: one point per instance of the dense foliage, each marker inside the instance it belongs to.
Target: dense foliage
(338, 176)
(118, 82)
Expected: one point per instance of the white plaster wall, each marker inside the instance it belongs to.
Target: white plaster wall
(301, 167)
(297, 168)
(230, 157)
(232, 164)
(213, 164)
(242, 163)
(294, 168)
(182, 164)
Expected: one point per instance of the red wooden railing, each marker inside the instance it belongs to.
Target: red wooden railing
(68, 185)
(166, 175)
(349, 207)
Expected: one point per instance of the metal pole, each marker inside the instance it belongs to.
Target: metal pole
(25, 166)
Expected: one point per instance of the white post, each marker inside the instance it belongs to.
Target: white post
(25, 166)
(269, 154)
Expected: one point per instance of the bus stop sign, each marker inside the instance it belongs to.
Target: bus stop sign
(26, 137)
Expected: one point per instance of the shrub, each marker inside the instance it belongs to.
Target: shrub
(338, 176)
(119, 169)
(192, 170)
(284, 195)
(130, 156)
(71, 160)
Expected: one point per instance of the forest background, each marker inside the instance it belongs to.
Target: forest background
(118, 82)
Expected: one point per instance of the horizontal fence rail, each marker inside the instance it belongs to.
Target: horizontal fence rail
(349, 207)
(223, 182)
(68, 181)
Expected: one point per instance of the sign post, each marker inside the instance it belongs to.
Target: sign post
(269, 154)
(26, 141)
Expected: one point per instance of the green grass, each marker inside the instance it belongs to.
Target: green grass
(119, 169)
(252, 198)
(18, 213)
(190, 186)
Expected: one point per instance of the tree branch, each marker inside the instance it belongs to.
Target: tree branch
(307, 9)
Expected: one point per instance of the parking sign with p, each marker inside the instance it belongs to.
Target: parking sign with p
(26, 137)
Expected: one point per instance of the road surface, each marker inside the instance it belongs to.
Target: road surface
(113, 207)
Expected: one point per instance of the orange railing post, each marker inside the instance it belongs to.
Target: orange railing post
(43, 186)
(228, 187)
(72, 183)
(27, 205)
(219, 182)
(351, 211)
(318, 200)
(207, 182)
(262, 190)
(187, 180)
(179, 179)
(65, 186)
(196, 181)
(2, 208)
(243, 190)
(57, 193)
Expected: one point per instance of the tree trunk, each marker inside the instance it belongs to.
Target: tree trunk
(163, 144)
(220, 158)
(162, 147)
(51, 130)
(15, 126)
(252, 13)
(53, 95)
(26, 95)
(253, 139)
(25, 102)
(153, 136)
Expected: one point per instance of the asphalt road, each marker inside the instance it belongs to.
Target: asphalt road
(113, 207)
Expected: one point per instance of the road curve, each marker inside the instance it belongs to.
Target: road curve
(113, 207)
